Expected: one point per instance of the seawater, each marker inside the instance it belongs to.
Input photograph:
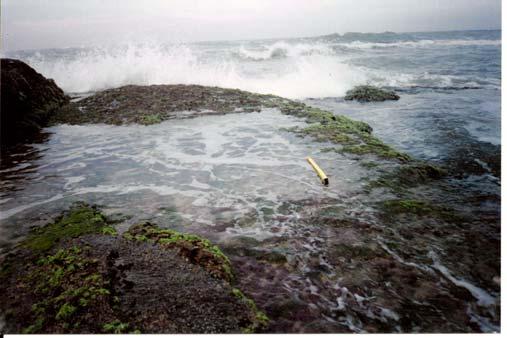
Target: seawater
(243, 176)
(450, 75)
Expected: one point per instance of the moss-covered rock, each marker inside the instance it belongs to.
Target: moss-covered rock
(370, 94)
(80, 220)
(420, 208)
(373, 145)
(354, 136)
(420, 172)
(154, 104)
(76, 275)
(67, 286)
(408, 175)
(150, 119)
(259, 319)
(197, 249)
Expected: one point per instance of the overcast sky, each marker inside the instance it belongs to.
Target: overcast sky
(33, 24)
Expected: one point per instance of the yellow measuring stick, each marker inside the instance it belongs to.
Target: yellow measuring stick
(322, 174)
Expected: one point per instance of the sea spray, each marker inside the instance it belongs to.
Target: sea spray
(303, 72)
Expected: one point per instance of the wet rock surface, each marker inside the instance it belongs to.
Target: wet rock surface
(409, 248)
(370, 94)
(476, 158)
(156, 103)
(368, 277)
(28, 100)
(78, 276)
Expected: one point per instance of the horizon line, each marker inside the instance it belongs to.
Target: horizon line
(255, 39)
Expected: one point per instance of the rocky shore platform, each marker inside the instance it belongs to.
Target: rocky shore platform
(78, 275)
(387, 272)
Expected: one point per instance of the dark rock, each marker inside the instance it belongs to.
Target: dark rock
(28, 99)
(156, 103)
(370, 94)
(475, 158)
(78, 275)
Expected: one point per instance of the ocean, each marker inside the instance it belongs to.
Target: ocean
(453, 73)
(241, 176)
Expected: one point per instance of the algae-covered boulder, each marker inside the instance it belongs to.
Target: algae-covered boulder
(27, 101)
(370, 94)
(153, 104)
(77, 275)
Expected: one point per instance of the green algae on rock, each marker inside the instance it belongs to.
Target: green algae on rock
(197, 249)
(420, 172)
(80, 220)
(150, 119)
(259, 320)
(61, 280)
(156, 103)
(420, 208)
(67, 288)
(370, 94)
(408, 175)
(116, 327)
(354, 136)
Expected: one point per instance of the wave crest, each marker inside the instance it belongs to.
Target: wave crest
(281, 49)
(294, 69)
(306, 74)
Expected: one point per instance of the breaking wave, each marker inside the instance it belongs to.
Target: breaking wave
(292, 68)
(304, 74)
(281, 49)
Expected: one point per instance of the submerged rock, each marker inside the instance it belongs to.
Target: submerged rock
(370, 94)
(355, 137)
(28, 100)
(408, 175)
(77, 275)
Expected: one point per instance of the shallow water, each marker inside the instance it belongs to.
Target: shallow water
(423, 123)
(206, 170)
(243, 181)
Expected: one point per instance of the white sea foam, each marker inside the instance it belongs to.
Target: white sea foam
(482, 296)
(381, 78)
(294, 69)
(281, 49)
(305, 74)
(238, 161)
